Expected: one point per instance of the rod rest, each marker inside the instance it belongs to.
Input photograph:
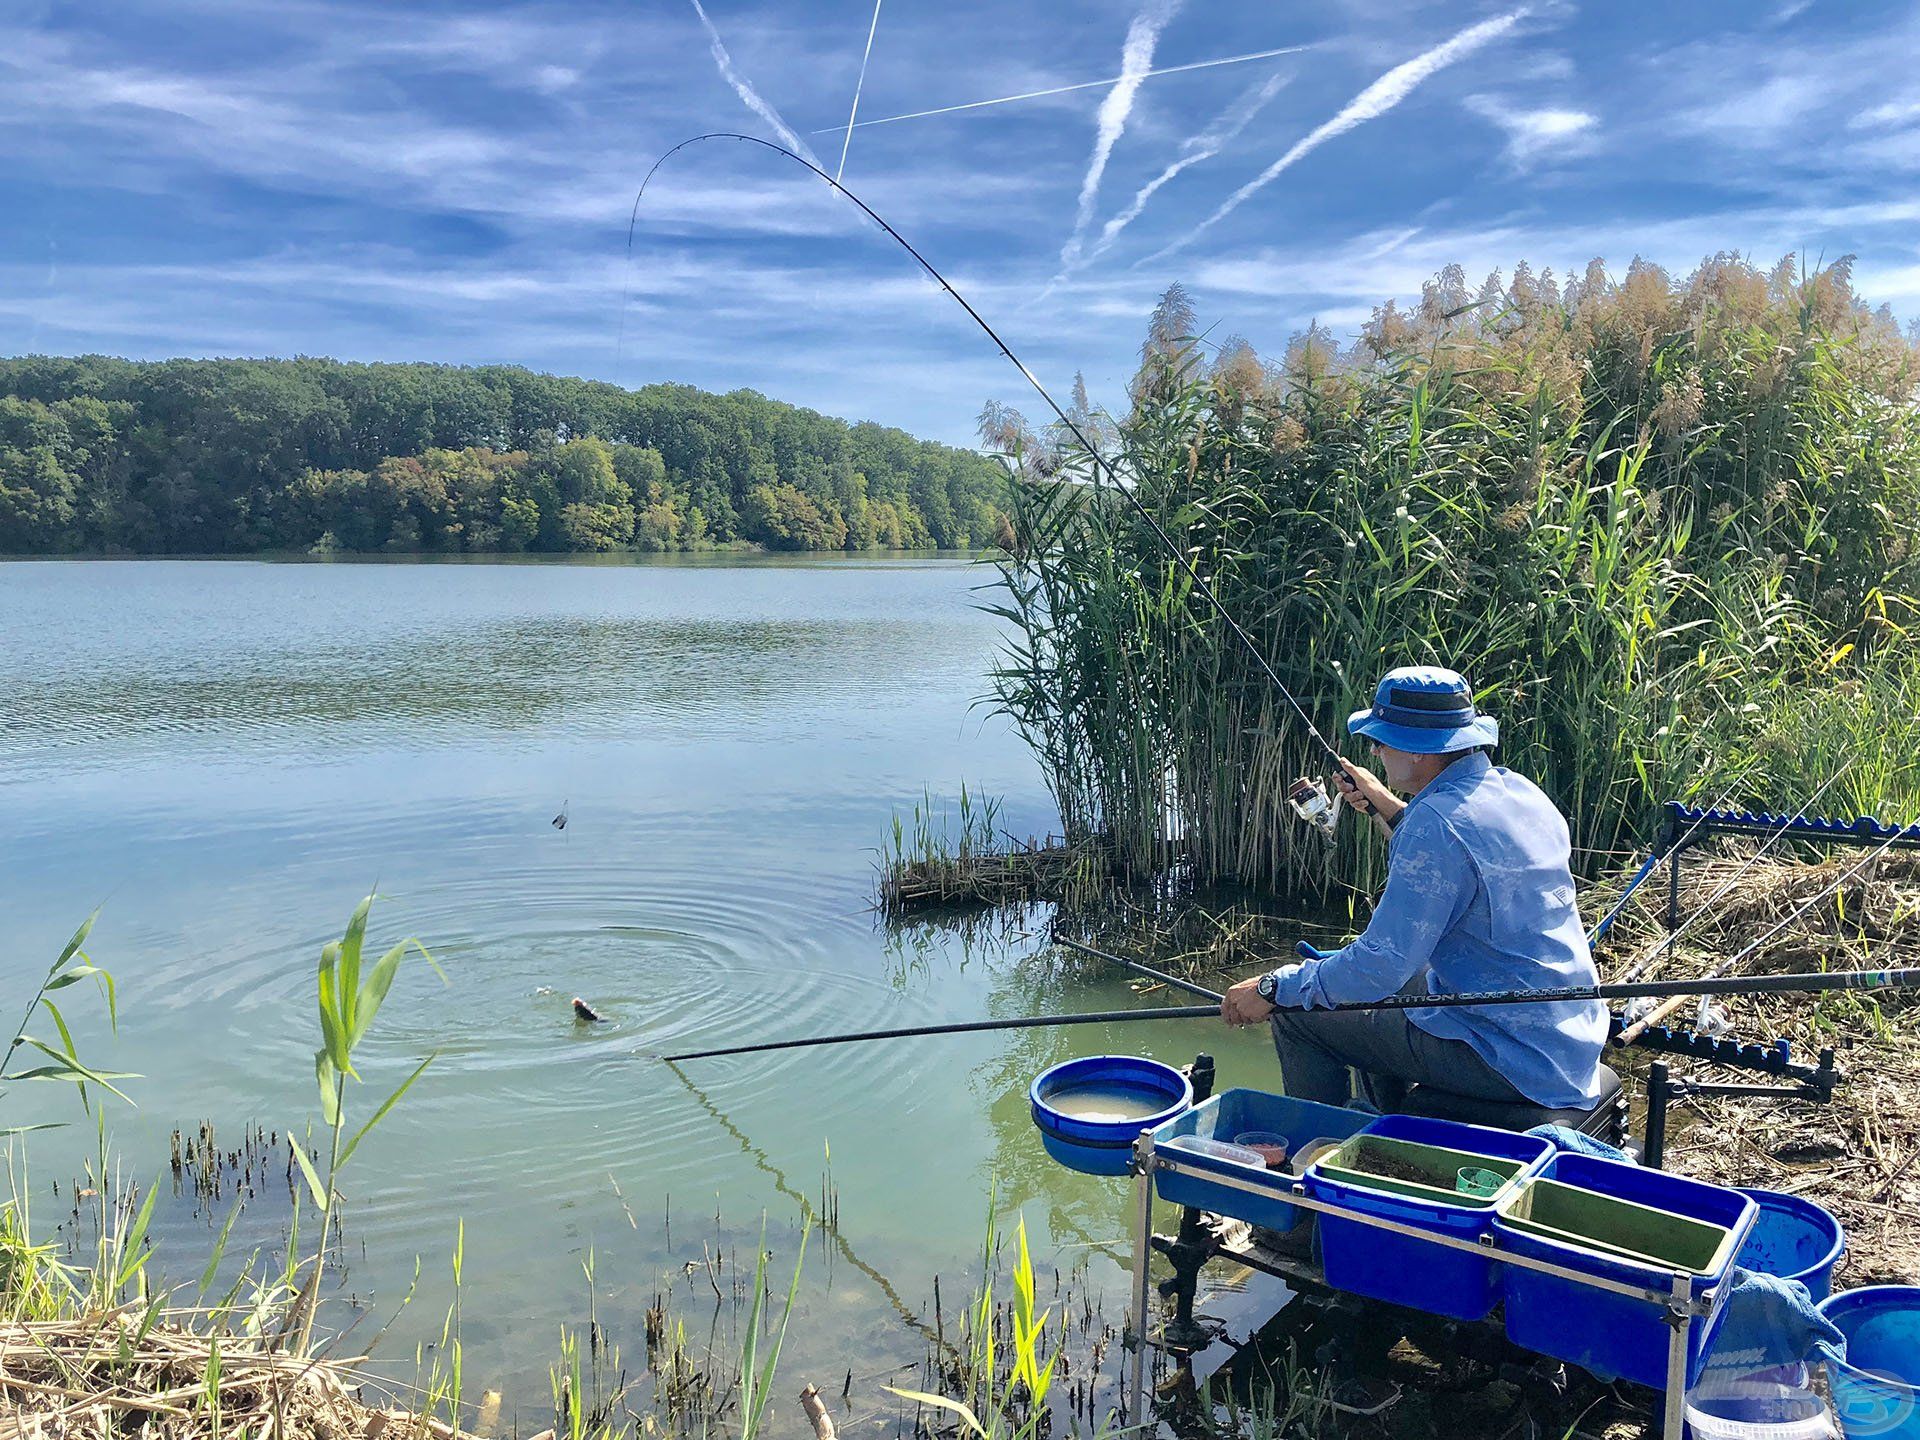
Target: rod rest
(1774, 1059)
(1866, 830)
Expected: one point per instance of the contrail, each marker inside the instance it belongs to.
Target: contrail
(1136, 58)
(1371, 103)
(745, 91)
(1203, 146)
(1065, 89)
(858, 86)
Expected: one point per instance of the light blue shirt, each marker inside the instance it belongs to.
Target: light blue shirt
(1479, 897)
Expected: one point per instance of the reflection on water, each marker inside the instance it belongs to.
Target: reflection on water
(229, 754)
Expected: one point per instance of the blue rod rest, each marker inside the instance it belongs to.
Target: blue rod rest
(1864, 831)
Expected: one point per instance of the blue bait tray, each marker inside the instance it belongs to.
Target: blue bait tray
(1234, 1112)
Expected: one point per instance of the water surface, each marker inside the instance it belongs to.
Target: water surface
(224, 756)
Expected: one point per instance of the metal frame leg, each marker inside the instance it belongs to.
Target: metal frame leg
(1142, 1253)
(1674, 1419)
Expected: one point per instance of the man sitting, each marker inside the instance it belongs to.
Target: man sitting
(1479, 897)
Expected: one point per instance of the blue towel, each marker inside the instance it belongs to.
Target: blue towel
(1572, 1141)
(1768, 1323)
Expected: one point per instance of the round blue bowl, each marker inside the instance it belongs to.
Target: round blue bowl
(1104, 1147)
(1794, 1239)
(1876, 1389)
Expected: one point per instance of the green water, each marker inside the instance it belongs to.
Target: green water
(225, 756)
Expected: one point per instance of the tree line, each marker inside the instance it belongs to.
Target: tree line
(102, 455)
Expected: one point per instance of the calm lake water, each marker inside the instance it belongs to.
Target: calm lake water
(225, 756)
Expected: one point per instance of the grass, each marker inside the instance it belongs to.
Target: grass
(1667, 528)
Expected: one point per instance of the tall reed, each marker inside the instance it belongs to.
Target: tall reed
(1650, 520)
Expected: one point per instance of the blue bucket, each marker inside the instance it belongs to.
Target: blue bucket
(1105, 1147)
(1794, 1239)
(1876, 1389)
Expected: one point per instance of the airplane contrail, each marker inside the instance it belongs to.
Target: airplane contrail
(745, 91)
(1371, 103)
(858, 86)
(1204, 146)
(1136, 58)
(1064, 89)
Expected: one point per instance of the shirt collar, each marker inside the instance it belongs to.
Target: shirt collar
(1461, 773)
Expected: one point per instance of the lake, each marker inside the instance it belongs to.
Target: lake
(224, 756)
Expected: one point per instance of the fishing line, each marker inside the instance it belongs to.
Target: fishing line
(1900, 832)
(1100, 461)
(1647, 963)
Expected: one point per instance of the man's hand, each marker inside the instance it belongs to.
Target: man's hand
(1242, 1005)
(1365, 791)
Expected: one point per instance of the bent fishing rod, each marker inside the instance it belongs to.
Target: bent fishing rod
(1100, 461)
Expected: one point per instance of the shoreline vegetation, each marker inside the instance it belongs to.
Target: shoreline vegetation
(118, 457)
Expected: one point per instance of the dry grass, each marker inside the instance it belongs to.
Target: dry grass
(104, 1376)
(1859, 1156)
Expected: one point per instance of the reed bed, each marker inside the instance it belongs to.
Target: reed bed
(1667, 527)
(950, 857)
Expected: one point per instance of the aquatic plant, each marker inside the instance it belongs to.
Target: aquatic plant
(348, 1004)
(1665, 528)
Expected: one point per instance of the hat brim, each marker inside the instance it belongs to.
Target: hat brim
(1419, 739)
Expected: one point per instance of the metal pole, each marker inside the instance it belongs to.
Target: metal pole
(1681, 1319)
(1653, 1152)
(1142, 1250)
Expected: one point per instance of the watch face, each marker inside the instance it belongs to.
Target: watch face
(1264, 989)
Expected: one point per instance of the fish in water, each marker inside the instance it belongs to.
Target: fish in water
(560, 820)
(585, 1013)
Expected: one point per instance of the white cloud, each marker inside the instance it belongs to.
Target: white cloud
(1545, 134)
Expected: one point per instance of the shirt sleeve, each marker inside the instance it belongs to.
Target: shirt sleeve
(1430, 883)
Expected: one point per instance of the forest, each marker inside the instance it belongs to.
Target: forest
(107, 456)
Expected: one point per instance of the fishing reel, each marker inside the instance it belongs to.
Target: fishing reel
(1310, 801)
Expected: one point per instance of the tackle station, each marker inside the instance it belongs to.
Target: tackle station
(1532, 1238)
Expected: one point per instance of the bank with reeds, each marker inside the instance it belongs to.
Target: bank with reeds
(1667, 527)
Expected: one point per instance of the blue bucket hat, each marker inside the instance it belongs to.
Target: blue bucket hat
(1424, 710)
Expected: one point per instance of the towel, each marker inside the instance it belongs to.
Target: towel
(1572, 1141)
(1767, 1323)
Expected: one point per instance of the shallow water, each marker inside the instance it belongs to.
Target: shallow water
(224, 756)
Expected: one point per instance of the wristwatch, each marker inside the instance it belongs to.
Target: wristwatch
(1265, 986)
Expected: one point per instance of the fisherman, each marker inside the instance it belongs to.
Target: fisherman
(1479, 897)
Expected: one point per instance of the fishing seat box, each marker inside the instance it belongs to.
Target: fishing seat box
(1234, 1112)
(1404, 1270)
(1620, 1222)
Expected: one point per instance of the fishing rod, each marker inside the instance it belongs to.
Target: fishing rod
(1633, 1031)
(962, 1027)
(1323, 822)
(1654, 857)
(1648, 961)
(1645, 990)
(1134, 965)
(1731, 985)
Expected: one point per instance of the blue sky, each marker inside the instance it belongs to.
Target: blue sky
(453, 181)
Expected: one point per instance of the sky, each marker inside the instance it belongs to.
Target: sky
(454, 181)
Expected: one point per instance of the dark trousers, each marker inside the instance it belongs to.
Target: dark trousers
(1318, 1048)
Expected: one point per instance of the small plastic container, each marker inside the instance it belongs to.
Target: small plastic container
(1876, 1389)
(1269, 1145)
(1758, 1410)
(1794, 1239)
(1217, 1150)
(1104, 1147)
(1624, 1223)
(1421, 1160)
(1234, 1112)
